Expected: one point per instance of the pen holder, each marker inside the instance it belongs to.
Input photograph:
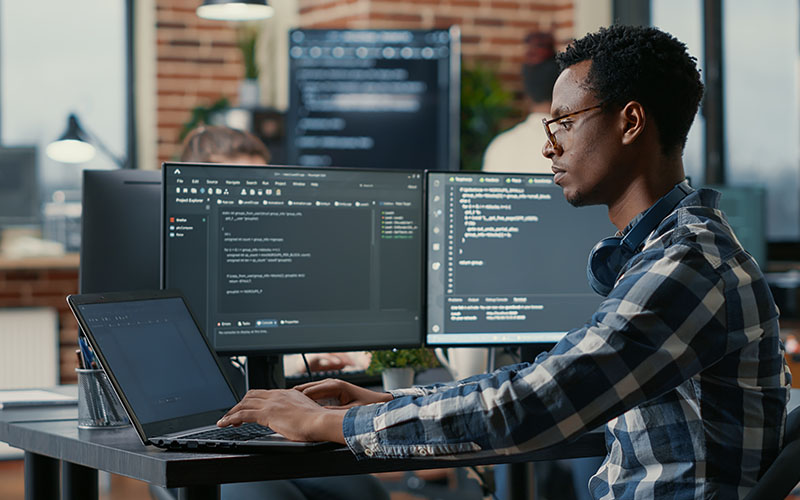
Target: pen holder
(98, 405)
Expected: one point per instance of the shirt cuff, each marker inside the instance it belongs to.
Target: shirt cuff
(359, 431)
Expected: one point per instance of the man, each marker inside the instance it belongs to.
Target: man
(682, 361)
(517, 149)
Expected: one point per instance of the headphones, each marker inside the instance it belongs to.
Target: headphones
(610, 254)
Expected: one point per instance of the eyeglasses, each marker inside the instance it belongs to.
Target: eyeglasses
(551, 137)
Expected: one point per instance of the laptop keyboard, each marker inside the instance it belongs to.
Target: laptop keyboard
(245, 432)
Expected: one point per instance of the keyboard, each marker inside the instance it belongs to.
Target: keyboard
(356, 377)
(244, 432)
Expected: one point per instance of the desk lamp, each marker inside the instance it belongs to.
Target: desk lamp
(76, 145)
(235, 10)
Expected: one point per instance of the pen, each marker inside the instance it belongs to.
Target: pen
(88, 358)
(101, 395)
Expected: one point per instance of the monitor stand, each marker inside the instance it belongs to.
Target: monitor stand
(528, 352)
(521, 483)
(265, 372)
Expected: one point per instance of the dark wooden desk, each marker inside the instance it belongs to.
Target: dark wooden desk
(51, 438)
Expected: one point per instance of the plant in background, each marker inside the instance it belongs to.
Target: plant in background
(202, 115)
(246, 37)
(418, 359)
(484, 106)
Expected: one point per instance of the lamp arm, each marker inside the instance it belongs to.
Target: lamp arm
(120, 161)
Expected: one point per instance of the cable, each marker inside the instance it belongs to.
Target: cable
(486, 483)
(514, 353)
(308, 367)
(273, 381)
(237, 363)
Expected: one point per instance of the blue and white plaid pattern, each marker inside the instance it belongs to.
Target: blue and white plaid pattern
(682, 362)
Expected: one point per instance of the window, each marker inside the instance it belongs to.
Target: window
(760, 53)
(58, 58)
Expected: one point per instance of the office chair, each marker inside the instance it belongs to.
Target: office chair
(784, 474)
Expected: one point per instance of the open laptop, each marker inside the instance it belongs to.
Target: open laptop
(165, 373)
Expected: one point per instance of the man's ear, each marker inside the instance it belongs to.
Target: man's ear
(633, 120)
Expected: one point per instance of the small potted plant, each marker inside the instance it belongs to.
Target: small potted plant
(397, 366)
(246, 39)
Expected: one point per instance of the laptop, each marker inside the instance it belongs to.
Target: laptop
(165, 373)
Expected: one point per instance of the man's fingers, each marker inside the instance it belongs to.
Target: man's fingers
(303, 387)
(317, 389)
(233, 410)
(240, 417)
(321, 390)
(322, 393)
(257, 394)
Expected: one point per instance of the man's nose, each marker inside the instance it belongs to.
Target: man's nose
(548, 150)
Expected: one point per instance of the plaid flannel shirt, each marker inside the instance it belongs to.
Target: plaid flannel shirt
(681, 362)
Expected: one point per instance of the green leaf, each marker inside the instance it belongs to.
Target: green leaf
(484, 106)
(201, 114)
(418, 359)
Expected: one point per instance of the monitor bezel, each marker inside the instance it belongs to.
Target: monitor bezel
(453, 97)
(312, 349)
(104, 185)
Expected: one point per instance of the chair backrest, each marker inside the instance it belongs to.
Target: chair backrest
(784, 474)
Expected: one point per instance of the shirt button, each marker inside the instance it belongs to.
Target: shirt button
(368, 452)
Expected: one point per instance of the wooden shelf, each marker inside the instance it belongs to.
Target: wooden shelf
(66, 261)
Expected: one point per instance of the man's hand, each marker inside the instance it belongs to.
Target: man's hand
(328, 361)
(287, 412)
(347, 394)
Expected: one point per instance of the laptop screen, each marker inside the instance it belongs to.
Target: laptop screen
(159, 358)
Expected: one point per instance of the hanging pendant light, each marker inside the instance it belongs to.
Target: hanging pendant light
(235, 10)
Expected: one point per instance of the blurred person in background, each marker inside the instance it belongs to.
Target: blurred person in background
(519, 148)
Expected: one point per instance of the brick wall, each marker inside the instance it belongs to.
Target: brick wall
(46, 284)
(491, 30)
(198, 61)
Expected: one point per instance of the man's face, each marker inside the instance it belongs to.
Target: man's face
(586, 150)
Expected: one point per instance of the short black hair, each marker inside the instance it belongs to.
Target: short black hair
(646, 65)
(538, 80)
(539, 66)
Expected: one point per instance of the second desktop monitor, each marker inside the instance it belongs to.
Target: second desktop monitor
(507, 259)
(282, 259)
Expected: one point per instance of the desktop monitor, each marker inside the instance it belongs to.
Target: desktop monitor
(289, 259)
(506, 259)
(374, 98)
(19, 189)
(120, 231)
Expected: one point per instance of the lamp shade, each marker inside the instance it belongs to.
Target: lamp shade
(73, 146)
(235, 10)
